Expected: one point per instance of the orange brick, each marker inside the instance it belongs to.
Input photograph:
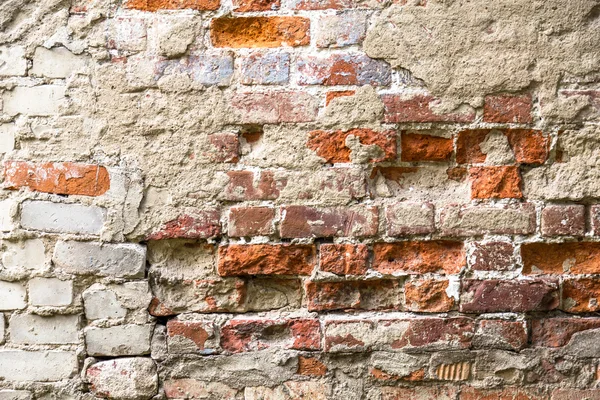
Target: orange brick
(59, 178)
(561, 258)
(338, 93)
(311, 366)
(344, 259)
(260, 32)
(331, 145)
(419, 147)
(495, 182)
(155, 5)
(581, 295)
(529, 146)
(419, 257)
(256, 5)
(427, 295)
(266, 259)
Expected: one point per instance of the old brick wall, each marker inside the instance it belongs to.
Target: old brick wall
(300, 199)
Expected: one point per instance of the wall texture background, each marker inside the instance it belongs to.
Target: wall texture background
(300, 199)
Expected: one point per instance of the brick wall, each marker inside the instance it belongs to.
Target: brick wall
(214, 199)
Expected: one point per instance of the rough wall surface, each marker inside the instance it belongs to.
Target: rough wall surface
(300, 199)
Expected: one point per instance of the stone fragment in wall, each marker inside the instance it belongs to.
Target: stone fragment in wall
(123, 378)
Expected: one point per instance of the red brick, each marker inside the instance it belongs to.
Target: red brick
(158, 309)
(418, 109)
(378, 294)
(495, 295)
(440, 256)
(581, 295)
(427, 295)
(454, 332)
(575, 394)
(595, 219)
(304, 221)
(225, 147)
(406, 218)
(311, 366)
(557, 332)
(419, 147)
(495, 183)
(59, 178)
(196, 331)
(246, 185)
(155, 5)
(380, 375)
(362, 335)
(508, 393)
(274, 107)
(200, 224)
(529, 146)
(560, 220)
(344, 259)
(501, 334)
(266, 259)
(260, 32)
(256, 5)
(331, 145)
(241, 335)
(508, 109)
(561, 258)
(350, 335)
(337, 93)
(492, 256)
(343, 69)
(251, 221)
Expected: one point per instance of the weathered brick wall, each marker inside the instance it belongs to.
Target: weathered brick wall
(300, 199)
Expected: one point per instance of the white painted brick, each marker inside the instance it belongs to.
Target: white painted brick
(126, 33)
(7, 208)
(35, 329)
(15, 395)
(45, 366)
(122, 340)
(7, 137)
(124, 378)
(2, 329)
(101, 304)
(113, 301)
(62, 218)
(125, 260)
(50, 292)
(12, 61)
(56, 63)
(25, 255)
(12, 296)
(36, 100)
